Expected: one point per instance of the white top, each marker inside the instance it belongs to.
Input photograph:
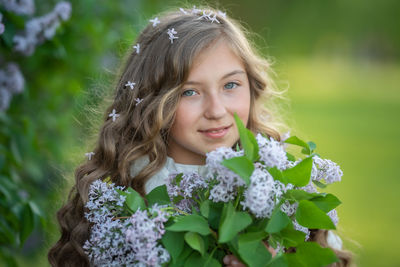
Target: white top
(160, 178)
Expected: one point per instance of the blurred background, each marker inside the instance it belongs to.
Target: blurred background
(338, 59)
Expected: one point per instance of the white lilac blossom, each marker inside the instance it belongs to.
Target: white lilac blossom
(227, 181)
(113, 115)
(39, 29)
(104, 202)
(20, 7)
(288, 208)
(1, 24)
(222, 14)
(171, 35)
(195, 10)
(155, 21)
(89, 155)
(183, 11)
(327, 170)
(5, 98)
(334, 216)
(138, 101)
(271, 152)
(130, 84)
(11, 82)
(262, 194)
(301, 228)
(137, 48)
(142, 236)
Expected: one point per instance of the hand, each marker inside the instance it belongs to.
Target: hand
(232, 261)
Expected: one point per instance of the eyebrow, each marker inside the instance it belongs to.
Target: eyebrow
(223, 77)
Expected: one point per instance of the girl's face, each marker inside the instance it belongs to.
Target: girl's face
(216, 88)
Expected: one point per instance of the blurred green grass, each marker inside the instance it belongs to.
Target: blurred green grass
(350, 110)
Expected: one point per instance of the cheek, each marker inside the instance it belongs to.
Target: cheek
(183, 119)
(242, 106)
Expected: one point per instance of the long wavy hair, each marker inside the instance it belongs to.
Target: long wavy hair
(158, 71)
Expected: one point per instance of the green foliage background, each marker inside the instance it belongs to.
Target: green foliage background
(340, 60)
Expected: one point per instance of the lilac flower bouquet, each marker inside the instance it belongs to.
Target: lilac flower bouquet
(248, 197)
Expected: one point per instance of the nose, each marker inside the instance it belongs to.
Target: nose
(215, 107)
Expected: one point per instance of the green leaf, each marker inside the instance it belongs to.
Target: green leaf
(291, 237)
(312, 145)
(279, 220)
(134, 200)
(290, 156)
(312, 254)
(173, 242)
(294, 140)
(205, 208)
(195, 241)
(158, 195)
(247, 139)
(190, 223)
(277, 175)
(252, 250)
(278, 261)
(310, 216)
(214, 215)
(241, 166)
(326, 203)
(196, 259)
(300, 174)
(232, 223)
(297, 194)
(319, 184)
(27, 222)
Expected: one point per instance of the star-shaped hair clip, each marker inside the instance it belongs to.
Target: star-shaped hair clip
(138, 101)
(183, 11)
(114, 115)
(130, 84)
(195, 10)
(137, 48)
(155, 21)
(89, 155)
(171, 33)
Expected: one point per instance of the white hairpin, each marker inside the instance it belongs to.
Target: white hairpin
(89, 155)
(130, 84)
(183, 11)
(138, 101)
(171, 35)
(114, 115)
(222, 14)
(137, 48)
(155, 21)
(205, 15)
(214, 18)
(195, 10)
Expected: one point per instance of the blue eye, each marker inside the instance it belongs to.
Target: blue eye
(230, 85)
(189, 92)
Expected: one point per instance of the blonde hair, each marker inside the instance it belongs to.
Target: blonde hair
(158, 70)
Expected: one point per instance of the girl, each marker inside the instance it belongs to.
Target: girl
(187, 74)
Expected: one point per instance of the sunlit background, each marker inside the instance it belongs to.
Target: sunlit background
(338, 59)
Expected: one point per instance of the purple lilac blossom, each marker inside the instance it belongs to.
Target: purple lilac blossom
(301, 228)
(271, 152)
(334, 216)
(262, 194)
(20, 7)
(5, 98)
(104, 202)
(142, 236)
(39, 29)
(227, 181)
(11, 82)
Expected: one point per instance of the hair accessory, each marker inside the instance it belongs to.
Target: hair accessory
(183, 11)
(171, 35)
(222, 14)
(138, 101)
(208, 16)
(137, 47)
(195, 10)
(130, 84)
(155, 21)
(89, 155)
(114, 115)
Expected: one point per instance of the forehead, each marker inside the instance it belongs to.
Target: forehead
(217, 59)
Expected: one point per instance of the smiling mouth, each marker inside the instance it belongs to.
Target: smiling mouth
(216, 130)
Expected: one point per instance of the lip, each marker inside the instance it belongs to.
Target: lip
(216, 132)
